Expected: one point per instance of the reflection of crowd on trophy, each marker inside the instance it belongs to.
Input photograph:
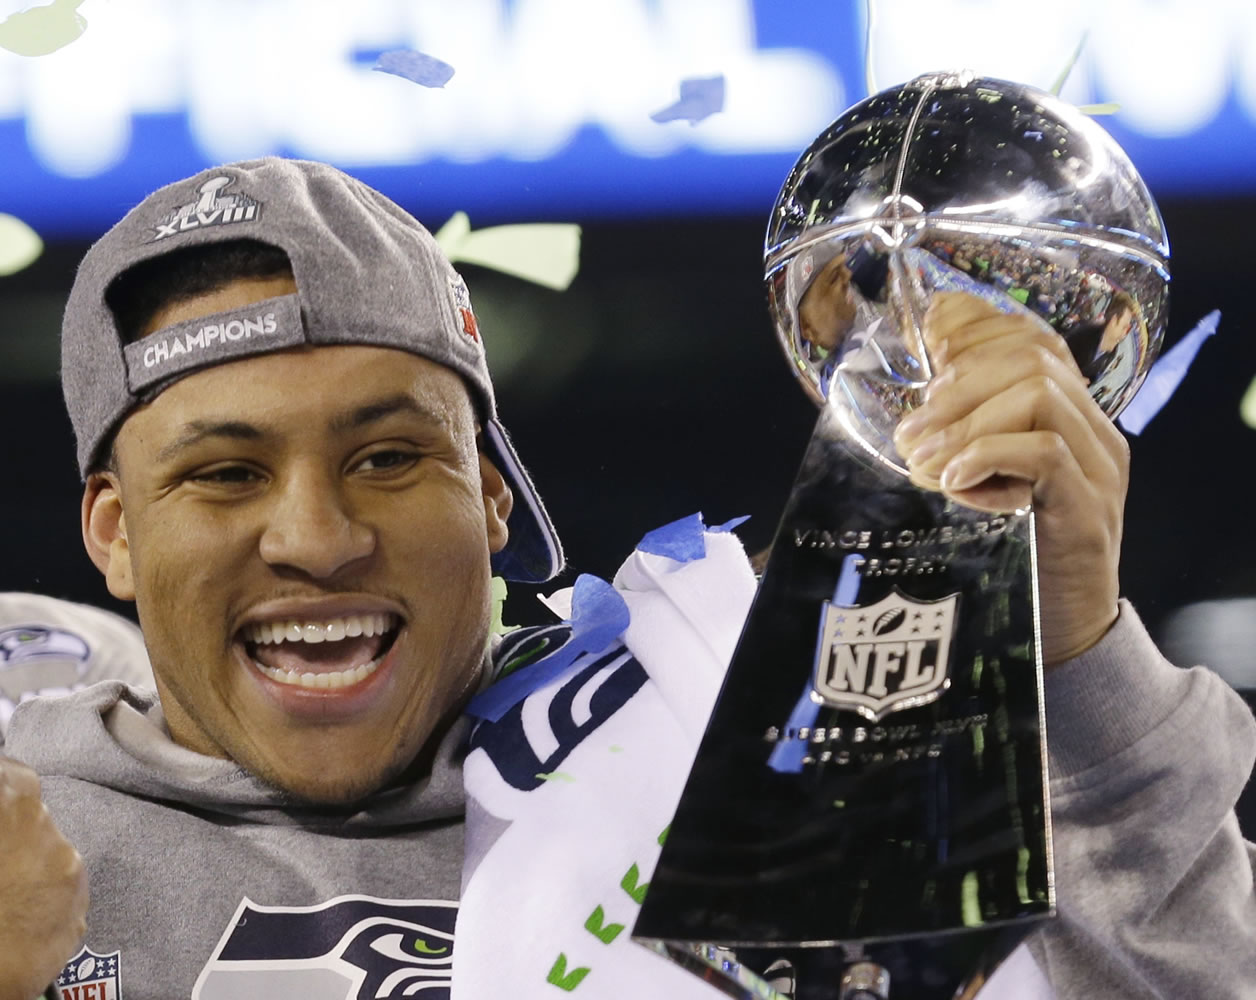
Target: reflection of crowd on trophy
(1087, 308)
(838, 294)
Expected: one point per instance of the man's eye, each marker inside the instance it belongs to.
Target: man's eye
(387, 459)
(227, 475)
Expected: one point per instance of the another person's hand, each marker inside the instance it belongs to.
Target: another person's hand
(43, 889)
(1008, 421)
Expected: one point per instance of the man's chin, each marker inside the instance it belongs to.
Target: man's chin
(314, 779)
(337, 791)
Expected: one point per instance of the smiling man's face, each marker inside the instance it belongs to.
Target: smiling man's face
(307, 537)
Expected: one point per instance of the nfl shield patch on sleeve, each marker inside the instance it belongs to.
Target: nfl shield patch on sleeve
(90, 976)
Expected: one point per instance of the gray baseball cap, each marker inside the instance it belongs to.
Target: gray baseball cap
(366, 273)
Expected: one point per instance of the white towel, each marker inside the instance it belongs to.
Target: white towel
(570, 850)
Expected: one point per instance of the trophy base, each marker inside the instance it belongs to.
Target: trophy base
(950, 967)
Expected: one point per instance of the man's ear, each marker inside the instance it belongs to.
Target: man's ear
(498, 503)
(104, 533)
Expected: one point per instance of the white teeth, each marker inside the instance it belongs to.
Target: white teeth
(332, 630)
(334, 679)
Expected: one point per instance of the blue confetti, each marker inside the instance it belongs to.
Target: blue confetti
(599, 616)
(1166, 375)
(700, 97)
(418, 67)
(786, 757)
(681, 540)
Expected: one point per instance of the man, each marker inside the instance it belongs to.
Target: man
(827, 310)
(1094, 344)
(307, 533)
(293, 466)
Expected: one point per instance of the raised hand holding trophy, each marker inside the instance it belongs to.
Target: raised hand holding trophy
(867, 815)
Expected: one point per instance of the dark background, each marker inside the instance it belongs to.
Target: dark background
(654, 388)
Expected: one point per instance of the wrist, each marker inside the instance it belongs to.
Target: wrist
(1059, 644)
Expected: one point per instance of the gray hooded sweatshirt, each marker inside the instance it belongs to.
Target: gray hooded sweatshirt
(196, 867)
(185, 851)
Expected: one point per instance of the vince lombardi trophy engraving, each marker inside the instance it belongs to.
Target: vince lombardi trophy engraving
(867, 815)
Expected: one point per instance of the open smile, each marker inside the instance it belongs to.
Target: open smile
(321, 654)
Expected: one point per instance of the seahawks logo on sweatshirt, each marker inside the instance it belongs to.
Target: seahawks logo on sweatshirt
(349, 948)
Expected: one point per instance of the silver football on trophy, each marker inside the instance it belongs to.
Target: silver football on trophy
(953, 181)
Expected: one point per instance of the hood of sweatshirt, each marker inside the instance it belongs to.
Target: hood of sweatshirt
(115, 736)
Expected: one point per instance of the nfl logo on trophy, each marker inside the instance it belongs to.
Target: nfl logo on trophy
(883, 657)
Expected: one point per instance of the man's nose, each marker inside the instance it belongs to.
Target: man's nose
(312, 527)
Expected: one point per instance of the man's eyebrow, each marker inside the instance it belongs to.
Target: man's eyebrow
(195, 431)
(368, 413)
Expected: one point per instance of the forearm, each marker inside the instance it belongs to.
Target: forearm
(1154, 881)
(43, 888)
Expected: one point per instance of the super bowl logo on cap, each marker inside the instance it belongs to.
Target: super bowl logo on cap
(462, 307)
(89, 976)
(211, 208)
(884, 657)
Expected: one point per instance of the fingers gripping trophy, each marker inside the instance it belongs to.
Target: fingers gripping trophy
(867, 815)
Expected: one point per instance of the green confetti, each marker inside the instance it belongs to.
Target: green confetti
(20, 245)
(1022, 874)
(1106, 108)
(497, 605)
(969, 902)
(615, 748)
(545, 253)
(1068, 67)
(1247, 408)
(555, 776)
(40, 31)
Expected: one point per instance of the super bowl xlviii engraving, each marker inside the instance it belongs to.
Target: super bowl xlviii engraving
(880, 658)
